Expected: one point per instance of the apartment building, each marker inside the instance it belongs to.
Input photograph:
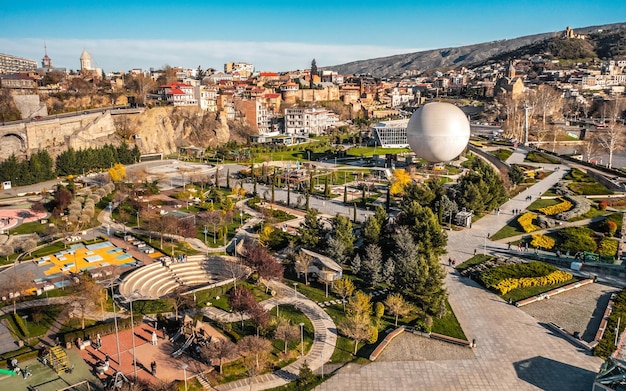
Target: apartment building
(13, 64)
(178, 94)
(307, 121)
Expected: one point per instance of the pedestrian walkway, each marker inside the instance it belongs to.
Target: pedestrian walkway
(513, 350)
(321, 351)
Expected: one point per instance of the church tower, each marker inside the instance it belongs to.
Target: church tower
(85, 61)
(46, 62)
(511, 71)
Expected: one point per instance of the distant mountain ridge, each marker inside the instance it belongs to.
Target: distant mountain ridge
(450, 57)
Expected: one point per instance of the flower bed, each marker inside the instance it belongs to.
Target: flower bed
(526, 222)
(561, 207)
(543, 241)
(553, 278)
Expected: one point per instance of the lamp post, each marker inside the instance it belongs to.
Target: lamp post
(241, 217)
(137, 219)
(117, 336)
(295, 290)
(302, 339)
(485, 245)
(132, 330)
(184, 367)
(205, 232)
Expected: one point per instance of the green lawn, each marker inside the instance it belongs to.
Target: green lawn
(448, 325)
(511, 229)
(371, 151)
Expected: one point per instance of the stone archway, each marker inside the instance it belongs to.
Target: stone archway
(12, 143)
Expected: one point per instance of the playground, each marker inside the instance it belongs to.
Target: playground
(167, 354)
(79, 258)
(12, 217)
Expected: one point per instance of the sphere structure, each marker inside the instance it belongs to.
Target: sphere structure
(438, 132)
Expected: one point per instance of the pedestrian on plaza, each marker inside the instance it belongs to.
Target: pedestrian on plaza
(153, 367)
(154, 338)
(509, 246)
(474, 251)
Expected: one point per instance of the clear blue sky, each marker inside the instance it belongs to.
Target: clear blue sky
(274, 35)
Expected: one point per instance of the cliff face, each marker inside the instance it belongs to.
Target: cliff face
(164, 129)
(156, 130)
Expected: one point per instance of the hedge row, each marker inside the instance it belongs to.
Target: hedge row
(543, 241)
(100, 328)
(526, 222)
(556, 277)
(561, 207)
(20, 325)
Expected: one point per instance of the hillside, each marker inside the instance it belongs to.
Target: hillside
(454, 57)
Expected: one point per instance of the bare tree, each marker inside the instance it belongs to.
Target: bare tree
(613, 137)
(255, 351)
(286, 331)
(303, 261)
(220, 349)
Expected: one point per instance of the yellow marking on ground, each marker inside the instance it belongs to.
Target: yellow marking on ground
(71, 263)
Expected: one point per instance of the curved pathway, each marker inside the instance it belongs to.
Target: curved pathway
(514, 351)
(324, 340)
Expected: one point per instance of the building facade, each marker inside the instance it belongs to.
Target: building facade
(391, 134)
(13, 64)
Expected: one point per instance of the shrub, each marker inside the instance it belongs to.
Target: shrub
(577, 239)
(602, 205)
(526, 222)
(611, 227)
(608, 247)
(543, 241)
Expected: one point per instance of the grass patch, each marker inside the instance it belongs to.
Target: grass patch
(371, 151)
(448, 325)
(538, 157)
(542, 203)
(512, 228)
(502, 154)
(587, 188)
(593, 212)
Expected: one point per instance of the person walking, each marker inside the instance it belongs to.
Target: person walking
(153, 368)
(154, 338)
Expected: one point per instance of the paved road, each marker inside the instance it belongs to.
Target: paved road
(514, 351)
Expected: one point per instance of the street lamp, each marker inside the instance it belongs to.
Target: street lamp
(295, 291)
(184, 367)
(241, 217)
(485, 245)
(73, 252)
(132, 330)
(117, 336)
(302, 339)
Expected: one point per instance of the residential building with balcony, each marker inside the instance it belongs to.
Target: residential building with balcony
(307, 121)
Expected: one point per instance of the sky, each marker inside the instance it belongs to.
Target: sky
(273, 35)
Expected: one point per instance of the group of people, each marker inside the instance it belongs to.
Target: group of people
(26, 373)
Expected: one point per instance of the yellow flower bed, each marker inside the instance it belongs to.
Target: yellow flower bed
(526, 221)
(543, 241)
(556, 277)
(551, 210)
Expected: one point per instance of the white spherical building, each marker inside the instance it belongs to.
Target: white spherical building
(438, 132)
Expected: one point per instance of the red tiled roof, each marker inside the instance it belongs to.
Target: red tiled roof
(272, 96)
